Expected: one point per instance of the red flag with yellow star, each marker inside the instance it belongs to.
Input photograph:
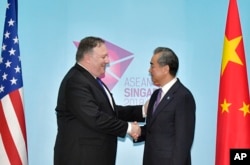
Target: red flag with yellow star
(233, 120)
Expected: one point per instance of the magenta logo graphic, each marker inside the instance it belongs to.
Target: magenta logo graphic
(119, 62)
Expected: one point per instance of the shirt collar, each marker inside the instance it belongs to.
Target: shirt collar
(167, 86)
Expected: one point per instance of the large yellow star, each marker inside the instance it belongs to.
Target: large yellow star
(229, 52)
(245, 108)
(225, 106)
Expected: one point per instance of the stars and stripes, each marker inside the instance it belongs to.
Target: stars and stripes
(13, 140)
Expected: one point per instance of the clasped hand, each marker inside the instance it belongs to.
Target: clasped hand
(135, 131)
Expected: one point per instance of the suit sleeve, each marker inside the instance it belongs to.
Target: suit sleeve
(130, 113)
(185, 126)
(87, 104)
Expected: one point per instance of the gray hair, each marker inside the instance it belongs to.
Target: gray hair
(168, 57)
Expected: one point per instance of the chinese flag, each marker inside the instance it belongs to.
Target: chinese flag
(233, 122)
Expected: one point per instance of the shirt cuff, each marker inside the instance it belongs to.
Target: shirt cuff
(144, 115)
(129, 128)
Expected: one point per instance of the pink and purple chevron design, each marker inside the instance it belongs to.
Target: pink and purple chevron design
(120, 59)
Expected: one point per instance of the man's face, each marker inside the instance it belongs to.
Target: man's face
(157, 72)
(99, 59)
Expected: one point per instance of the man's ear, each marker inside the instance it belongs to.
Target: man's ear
(87, 58)
(166, 68)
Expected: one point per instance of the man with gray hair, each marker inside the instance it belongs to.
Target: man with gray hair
(170, 123)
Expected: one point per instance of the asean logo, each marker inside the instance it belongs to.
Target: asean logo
(120, 59)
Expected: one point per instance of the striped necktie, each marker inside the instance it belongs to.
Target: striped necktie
(157, 101)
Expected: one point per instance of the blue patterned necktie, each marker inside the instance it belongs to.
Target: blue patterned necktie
(105, 91)
(157, 101)
(100, 83)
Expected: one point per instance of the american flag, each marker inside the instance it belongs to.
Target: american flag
(13, 140)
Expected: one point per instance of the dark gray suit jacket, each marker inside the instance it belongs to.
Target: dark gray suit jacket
(88, 127)
(169, 132)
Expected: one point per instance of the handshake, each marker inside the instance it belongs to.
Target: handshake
(135, 131)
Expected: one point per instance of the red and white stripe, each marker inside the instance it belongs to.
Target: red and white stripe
(13, 140)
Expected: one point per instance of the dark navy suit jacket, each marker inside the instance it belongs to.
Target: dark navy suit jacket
(169, 132)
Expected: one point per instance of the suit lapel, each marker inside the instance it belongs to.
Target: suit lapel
(164, 102)
(168, 97)
(94, 81)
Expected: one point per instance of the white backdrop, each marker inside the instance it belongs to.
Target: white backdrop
(194, 29)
